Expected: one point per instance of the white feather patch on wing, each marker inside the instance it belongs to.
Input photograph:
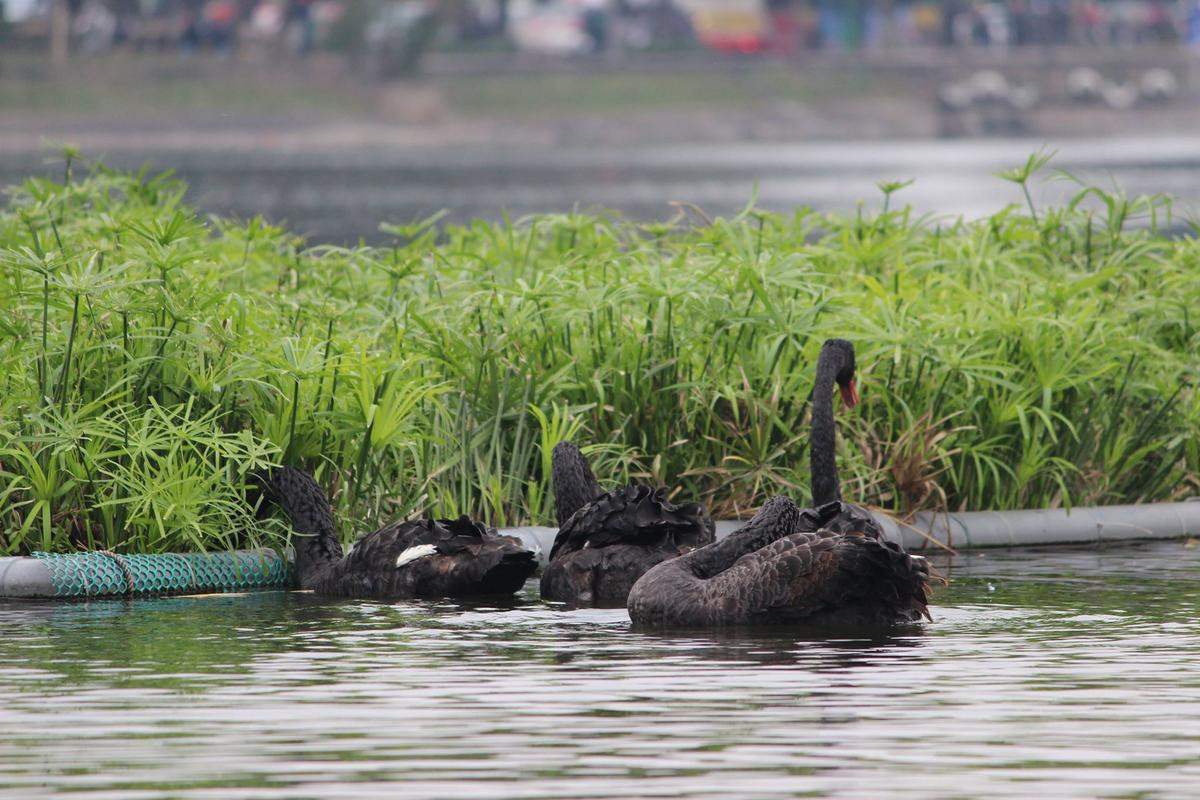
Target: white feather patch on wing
(415, 552)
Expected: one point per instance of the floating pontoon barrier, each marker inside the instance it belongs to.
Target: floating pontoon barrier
(105, 574)
(968, 530)
(102, 574)
(972, 529)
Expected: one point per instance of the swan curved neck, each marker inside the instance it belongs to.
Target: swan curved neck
(574, 484)
(779, 517)
(314, 539)
(822, 444)
(318, 553)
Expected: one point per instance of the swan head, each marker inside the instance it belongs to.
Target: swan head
(840, 353)
(822, 515)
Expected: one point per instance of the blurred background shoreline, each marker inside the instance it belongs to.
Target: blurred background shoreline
(338, 115)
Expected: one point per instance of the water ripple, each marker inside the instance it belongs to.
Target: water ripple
(1046, 674)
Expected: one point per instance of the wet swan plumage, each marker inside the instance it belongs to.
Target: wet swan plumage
(828, 566)
(417, 558)
(785, 567)
(607, 540)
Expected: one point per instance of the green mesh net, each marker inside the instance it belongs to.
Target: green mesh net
(96, 574)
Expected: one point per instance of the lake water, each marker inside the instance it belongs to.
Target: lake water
(344, 195)
(1053, 673)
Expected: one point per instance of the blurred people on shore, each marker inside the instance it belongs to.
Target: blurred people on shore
(566, 26)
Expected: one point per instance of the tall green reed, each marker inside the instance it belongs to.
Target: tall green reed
(153, 358)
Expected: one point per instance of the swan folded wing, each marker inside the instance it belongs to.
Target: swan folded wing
(394, 542)
(634, 514)
(493, 565)
(814, 575)
(882, 573)
(435, 558)
(599, 577)
(791, 572)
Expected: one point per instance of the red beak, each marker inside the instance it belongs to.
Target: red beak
(849, 394)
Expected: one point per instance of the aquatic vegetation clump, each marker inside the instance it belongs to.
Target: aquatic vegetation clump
(151, 358)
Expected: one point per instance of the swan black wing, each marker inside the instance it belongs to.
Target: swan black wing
(600, 577)
(635, 515)
(602, 550)
(825, 577)
(432, 558)
(783, 566)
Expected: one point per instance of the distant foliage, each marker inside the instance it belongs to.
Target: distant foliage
(151, 358)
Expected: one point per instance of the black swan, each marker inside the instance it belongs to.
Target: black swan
(420, 558)
(785, 567)
(607, 540)
(834, 365)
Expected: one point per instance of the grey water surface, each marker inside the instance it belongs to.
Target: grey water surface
(1051, 673)
(342, 196)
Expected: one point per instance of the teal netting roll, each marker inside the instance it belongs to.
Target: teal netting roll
(96, 574)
